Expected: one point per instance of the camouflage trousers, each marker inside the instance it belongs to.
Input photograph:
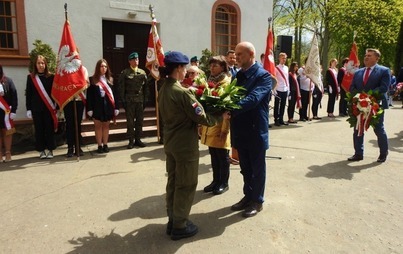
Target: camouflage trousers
(134, 118)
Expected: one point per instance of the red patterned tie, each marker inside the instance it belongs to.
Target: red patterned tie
(367, 71)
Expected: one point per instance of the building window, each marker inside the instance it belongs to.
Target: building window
(225, 27)
(8, 26)
(13, 34)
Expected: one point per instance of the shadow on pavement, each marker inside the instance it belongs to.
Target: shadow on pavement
(338, 170)
(152, 237)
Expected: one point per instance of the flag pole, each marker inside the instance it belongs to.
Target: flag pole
(152, 15)
(77, 146)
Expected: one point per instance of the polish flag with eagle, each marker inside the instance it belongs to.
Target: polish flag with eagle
(71, 76)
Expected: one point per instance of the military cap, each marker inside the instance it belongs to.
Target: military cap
(133, 55)
(194, 59)
(175, 57)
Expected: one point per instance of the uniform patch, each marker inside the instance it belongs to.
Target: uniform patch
(198, 111)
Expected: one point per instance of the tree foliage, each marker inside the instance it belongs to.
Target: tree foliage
(375, 21)
(376, 24)
(44, 50)
(399, 50)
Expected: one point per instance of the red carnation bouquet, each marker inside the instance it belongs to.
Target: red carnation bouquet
(364, 110)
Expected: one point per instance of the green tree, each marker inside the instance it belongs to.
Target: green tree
(399, 51)
(376, 24)
(44, 50)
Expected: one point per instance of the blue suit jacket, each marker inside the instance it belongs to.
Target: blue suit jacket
(378, 80)
(249, 125)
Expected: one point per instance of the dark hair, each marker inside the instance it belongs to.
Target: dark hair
(168, 69)
(1, 72)
(97, 72)
(46, 72)
(345, 60)
(219, 60)
(292, 66)
(230, 52)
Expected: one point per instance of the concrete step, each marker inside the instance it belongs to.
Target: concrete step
(117, 131)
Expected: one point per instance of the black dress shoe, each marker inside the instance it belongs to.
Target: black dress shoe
(356, 157)
(252, 209)
(241, 205)
(382, 158)
(220, 189)
(100, 149)
(180, 233)
(210, 187)
(69, 152)
(130, 145)
(139, 143)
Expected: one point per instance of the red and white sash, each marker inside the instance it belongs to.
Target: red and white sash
(9, 123)
(283, 76)
(334, 80)
(108, 92)
(45, 98)
(299, 105)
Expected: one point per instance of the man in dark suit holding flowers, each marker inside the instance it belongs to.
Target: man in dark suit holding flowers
(373, 77)
(249, 128)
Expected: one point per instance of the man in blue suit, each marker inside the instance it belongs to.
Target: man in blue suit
(376, 78)
(249, 128)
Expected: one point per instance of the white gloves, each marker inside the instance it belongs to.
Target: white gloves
(330, 89)
(116, 112)
(90, 113)
(29, 114)
(12, 116)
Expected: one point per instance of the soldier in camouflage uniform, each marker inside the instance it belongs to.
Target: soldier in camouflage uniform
(134, 93)
(181, 114)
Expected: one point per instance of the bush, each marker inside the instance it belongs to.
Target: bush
(46, 51)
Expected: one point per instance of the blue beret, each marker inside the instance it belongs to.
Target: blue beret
(175, 57)
(194, 59)
(133, 55)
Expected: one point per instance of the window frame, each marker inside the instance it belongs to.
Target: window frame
(18, 56)
(214, 33)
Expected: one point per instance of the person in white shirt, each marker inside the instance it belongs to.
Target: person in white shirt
(305, 86)
(282, 90)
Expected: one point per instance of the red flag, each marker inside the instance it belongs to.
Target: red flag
(155, 53)
(268, 63)
(352, 66)
(70, 77)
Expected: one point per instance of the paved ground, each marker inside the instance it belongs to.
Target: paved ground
(316, 201)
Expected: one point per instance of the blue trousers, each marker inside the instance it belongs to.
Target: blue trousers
(379, 132)
(253, 169)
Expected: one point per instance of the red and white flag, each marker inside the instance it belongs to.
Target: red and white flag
(155, 53)
(268, 63)
(70, 77)
(352, 67)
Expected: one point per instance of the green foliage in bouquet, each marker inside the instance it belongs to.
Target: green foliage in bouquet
(216, 98)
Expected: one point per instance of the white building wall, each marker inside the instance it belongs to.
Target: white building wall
(184, 25)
